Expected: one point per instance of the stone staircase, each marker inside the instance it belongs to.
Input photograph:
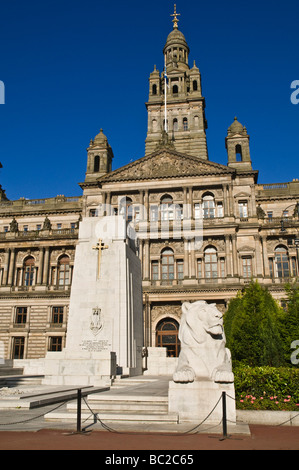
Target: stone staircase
(7, 369)
(129, 400)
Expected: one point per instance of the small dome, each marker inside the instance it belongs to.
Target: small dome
(236, 127)
(100, 138)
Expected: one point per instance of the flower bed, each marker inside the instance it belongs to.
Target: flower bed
(267, 388)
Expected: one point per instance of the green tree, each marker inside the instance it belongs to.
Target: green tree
(290, 322)
(252, 327)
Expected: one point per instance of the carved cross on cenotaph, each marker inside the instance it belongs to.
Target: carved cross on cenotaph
(100, 246)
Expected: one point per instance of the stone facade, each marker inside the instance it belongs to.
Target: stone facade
(204, 230)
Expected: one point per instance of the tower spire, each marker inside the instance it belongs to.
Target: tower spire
(175, 18)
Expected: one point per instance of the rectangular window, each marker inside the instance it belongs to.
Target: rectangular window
(25, 228)
(199, 268)
(180, 269)
(208, 209)
(243, 210)
(270, 215)
(55, 343)
(197, 211)
(38, 227)
(5, 228)
(247, 267)
(155, 270)
(271, 264)
(219, 210)
(154, 214)
(21, 315)
(222, 267)
(57, 315)
(18, 347)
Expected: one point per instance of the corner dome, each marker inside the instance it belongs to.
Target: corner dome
(236, 127)
(100, 138)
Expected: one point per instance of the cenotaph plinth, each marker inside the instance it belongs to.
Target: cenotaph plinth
(105, 323)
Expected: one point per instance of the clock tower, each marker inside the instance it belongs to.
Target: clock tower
(175, 103)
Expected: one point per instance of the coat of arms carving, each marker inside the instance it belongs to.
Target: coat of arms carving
(96, 323)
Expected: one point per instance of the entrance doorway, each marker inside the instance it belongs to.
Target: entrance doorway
(167, 336)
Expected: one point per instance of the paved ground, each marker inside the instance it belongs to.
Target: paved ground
(261, 438)
(22, 429)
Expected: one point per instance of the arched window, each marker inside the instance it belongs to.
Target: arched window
(175, 125)
(154, 89)
(167, 264)
(167, 336)
(29, 270)
(64, 271)
(282, 262)
(208, 206)
(175, 89)
(185, 124)
(126, 208)
(194, 85)
(167, 208)
(239, 153)
(154, 125)
(96, 164)
(211, 263)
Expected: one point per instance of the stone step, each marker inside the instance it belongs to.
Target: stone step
(15, 380)
(8, 371)
(123, 405)
(169, 418)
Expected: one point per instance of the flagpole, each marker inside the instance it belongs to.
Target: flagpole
(165, 93)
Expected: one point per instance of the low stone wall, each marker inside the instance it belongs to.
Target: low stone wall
(268, 417)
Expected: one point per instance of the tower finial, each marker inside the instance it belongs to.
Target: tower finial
(175, 18)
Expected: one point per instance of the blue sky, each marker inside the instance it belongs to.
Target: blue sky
(71, 67)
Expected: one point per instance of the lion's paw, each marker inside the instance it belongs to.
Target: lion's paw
(184, 375)
(224, 376)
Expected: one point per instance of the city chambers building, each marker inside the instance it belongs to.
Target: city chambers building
(247, 230)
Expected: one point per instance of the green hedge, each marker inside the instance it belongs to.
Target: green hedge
(266, 388)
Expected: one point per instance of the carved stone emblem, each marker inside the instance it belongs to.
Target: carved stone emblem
(96, 323)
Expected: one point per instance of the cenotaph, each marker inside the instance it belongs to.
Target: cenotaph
(105, 323)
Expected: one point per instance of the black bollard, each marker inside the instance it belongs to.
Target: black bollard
(224, 422)
(79, 397)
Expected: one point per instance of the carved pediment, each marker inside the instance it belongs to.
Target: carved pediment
(165, 163)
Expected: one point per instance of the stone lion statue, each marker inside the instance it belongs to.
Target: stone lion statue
(203, 352)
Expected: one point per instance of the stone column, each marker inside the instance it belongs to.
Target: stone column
(11, 266)
(225, 200)
(228, 256)
(258, 256)
(40, 267)
(142, 209)
(108, 203)
(6, 267)
(231, 200)
(186, 260)
(190, 189)
(234, 255)
(265, 256)
(146, 260)
(46, 265)
(193, 261)
(146, 205)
